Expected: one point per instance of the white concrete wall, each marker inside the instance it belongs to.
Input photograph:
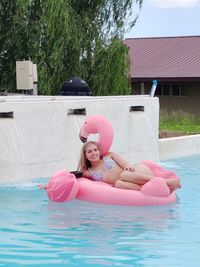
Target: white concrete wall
(42, 138)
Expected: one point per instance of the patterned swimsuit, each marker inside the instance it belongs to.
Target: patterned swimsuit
(109, 164)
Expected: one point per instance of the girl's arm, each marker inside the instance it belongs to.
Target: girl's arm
(121, 162)
(87, 175)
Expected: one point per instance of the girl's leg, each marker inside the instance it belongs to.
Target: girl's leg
(141, 168)
(135, 177)
(127, 185)
(141, 178)
(172, 181)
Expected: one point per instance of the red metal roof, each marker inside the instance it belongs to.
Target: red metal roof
(165, 57)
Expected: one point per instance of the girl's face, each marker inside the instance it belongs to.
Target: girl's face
(92, 153)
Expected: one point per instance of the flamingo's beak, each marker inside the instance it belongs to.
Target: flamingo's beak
(83, 139)
(83, 135)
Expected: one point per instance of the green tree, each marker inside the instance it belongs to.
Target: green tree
(66, 38)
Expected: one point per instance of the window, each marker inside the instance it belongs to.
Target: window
(165, 89)
(184, 91)
(176, 90)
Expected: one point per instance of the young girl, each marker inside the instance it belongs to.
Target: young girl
(114, 170)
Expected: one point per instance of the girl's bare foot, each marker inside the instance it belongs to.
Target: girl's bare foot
(173, 184)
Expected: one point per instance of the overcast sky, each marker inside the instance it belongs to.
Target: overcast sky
(167, 18)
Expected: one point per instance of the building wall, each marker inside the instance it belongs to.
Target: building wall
(189, 104)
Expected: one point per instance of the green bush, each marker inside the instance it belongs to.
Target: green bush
(179, 121)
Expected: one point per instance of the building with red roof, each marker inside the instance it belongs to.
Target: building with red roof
(175, 63)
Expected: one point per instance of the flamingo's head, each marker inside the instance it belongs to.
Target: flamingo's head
(98, 124)
(62, 186)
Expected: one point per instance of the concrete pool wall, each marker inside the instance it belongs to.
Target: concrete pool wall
(42, 136)
(177, 147)
(39, 135)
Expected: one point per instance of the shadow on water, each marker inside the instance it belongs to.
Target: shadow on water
(120, 234)
(76, 213)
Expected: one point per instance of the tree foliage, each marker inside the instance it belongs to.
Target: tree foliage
(67, 38)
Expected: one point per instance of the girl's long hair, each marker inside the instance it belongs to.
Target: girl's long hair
(84, 163)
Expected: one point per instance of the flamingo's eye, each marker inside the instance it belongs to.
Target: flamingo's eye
(86, 122)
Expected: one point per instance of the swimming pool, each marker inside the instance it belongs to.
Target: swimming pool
(36, 232)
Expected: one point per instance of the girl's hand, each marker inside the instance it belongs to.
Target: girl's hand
(41, 186)
(129, 168)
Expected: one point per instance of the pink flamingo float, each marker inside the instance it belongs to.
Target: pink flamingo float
(64, 186)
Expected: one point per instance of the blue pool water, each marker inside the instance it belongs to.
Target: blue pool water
(36, 232)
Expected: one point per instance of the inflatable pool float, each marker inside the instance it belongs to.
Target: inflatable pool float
(65, 186)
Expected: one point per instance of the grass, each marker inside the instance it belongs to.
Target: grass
(179, 122)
